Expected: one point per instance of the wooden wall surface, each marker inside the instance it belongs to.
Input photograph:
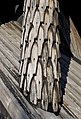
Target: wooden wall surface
(10, 95)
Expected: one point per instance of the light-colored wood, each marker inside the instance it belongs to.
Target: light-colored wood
(72, 91)
(77, 39)
(16, 24)
(10, 31)
(24, 7)
(23, 50)
(54, 62)
(75, 65)
(56, 19)
(29, 75)
(32, 9)
(15, 28)
(44, 57)
(55, 100)
(33, 92)
(20, 67)
(50, 79)
(36, 23)
(6, 61)
(72, 106)
(22, 78)
(74, 94)
(75, 72)
(7, 44)
(44, 101)
(39, 80)
(7, 73)
(40, 34)
(26, 29)
(50, 40)
(9, 55)
(40, 40)
(73, 80)
(46, 22)
(34, 57)
(56, 4)
(76, 78)
(6, 35)
(19, 97)
(10, 103)
(30, 42)
(51, 10)
(42, 6)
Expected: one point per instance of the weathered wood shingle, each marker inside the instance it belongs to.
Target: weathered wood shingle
(9, 80)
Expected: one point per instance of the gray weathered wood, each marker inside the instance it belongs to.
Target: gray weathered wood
(10, 103)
